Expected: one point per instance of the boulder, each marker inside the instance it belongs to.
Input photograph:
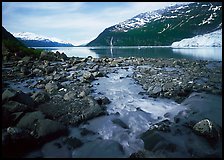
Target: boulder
(120, 123)
(85, 132)
(46, 128)
(40, 97)
(50, 56)
(73, 142)
(103, 100)
(51, 87)
(71, 95)
(8, 94)
(88, 76)
(28, 120)
(13, 106)
(206, 128)
(23, 98)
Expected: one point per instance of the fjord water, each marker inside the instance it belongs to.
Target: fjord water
(209, 53)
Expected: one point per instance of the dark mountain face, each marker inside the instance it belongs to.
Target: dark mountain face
(163, 27)
(8, 37)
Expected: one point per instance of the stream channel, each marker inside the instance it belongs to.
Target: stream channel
(130, 113)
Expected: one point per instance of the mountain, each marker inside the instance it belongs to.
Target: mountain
(164, 26)
(8, 37)
(34, 40)
(213, 39)
(12, 48)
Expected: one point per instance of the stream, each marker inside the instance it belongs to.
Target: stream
(130, 113)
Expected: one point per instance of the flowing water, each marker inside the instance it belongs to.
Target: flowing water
(136, 111)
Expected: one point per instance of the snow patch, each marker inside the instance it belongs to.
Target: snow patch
(33, 36)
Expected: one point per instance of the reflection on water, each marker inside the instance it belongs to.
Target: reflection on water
(201, 53)
(213, 53)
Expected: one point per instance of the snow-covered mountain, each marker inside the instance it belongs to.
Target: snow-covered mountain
(213, 39)
(35, 40)
(164, 26)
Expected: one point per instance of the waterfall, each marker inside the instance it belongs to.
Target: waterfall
(111, 41)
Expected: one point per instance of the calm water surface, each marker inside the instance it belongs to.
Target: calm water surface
(212, 53)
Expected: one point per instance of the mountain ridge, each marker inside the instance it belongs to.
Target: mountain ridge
(163, 26)
(35, 40)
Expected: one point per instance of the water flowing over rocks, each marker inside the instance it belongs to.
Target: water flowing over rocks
(115, 104)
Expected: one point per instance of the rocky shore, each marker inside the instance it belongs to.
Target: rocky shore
(42, 98)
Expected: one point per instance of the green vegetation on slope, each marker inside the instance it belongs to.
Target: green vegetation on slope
(185, 25)
(13, 48)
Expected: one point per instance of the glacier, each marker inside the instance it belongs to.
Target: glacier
(213, 39)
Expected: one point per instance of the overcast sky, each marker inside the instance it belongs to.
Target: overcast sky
(75, 22)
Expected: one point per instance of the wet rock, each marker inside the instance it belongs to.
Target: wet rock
(167, 86)
(138, 154)
(23, 98)
(26, 59)
(82, 94)
(73, 142)
(24, 70)
(13, 106)
(15, 117)
(50, 56)
(29, 119)
(162, 126)
(155, 141)
(88, 76)
(206, 128)
(51, 87)
(37, 72)
(40, 97)
(71, 95)
(46, 128)
(8, 94)
(50, 69)
(154, 90)
(85, 132)
(98, 74)
(120, 123)
(103, 100)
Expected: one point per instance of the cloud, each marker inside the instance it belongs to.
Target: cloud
(79, 21)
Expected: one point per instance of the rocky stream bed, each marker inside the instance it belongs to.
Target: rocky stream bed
(111, 107)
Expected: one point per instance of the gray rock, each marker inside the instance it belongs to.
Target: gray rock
(8, 94)
(37, 71)
(205, 128)
(47, 127)
(23, 98)
(28, 120)
(153, 139)
(51, 87)
(103, 100)
(156, 89)
(138, 154)
(71, 95)
(85, 132)
(13, 106)
(120, 123)
(88, 76)
(73, 142)
(50, 69)
(40, 97)
(82, 94)
(167, 86)
(50, 56)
